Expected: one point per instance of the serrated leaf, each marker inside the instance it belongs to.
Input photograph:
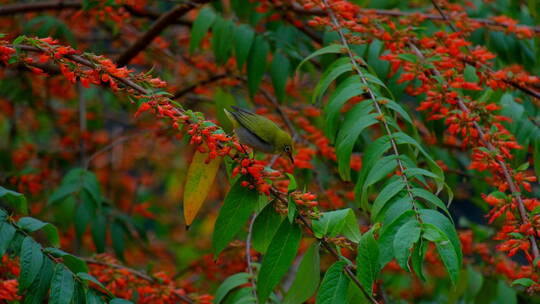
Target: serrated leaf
(265, 226)
(367, 261)
(279, 72)
(334, 286)
(243, 39)
(256, 64)
(331, 49)
(344, 91)
(445, 248)
(77, 180)
(430, 198)
(15, 199)
(475, 280)
(199, 180)
(31, 224)
(336, 69)
(89, 278)
(417, 259)
(406, 236)
(222, 35)
(237, 207)
(388, 234)
(72, 262)
(201, 25)
(62, 286)
(7, 232)
(307, 277)
(397, 108)
(389, 191)
(356, 121)
(31, 260)
(37, 291)
(229, 284)
(332, 223)
(279, 257)
(99, 226)
(380, 169)
(443, 223)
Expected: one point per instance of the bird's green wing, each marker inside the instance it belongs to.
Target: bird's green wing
(259, 125)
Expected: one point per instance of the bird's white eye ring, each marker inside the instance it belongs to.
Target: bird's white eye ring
(287, 148)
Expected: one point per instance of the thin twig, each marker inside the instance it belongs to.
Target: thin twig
(156, 29)
(203, 82)
(248, 258)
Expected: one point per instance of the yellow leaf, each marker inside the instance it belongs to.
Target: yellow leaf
(200, 177)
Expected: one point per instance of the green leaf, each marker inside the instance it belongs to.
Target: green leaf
(99, 225)
(120, 301)
(397, 108)
(222, 35)
(445, 248)
(431, 198)
(201, 25)
(89, 278)
(229, 284)
(408, 57)
(243, 39)
(199, 181)
(256, 64)
(388, 234)
(417, 259)
(374, 151)
(380, 169)
(443, 223)
(93, 298)
(237, 207)
(505, 293)
(336, 222)
(526, 282)
(16, 199)
(334, 286)
(37, 291)
(31, 260)
(62, 286)
(77, 180)
(336, 69)
(331, 49)
(404, 240)
(536, 157)
(117, 235)
(470, 74)
(402, 138)
(345, 90)
(279, 257)
(265, 226)
(388, 192)
(31, 224)
(475, 280)
(72, 262)
(368, 261)
(356, 121)
(307, 277)
(279, 71)
(7, 232)
(292, 183)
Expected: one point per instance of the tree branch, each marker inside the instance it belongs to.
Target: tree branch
(156, 29)
(192, 87)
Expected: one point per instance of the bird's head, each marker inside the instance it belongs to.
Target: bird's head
(284, 144)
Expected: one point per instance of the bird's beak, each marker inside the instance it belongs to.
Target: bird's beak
(290, 157)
